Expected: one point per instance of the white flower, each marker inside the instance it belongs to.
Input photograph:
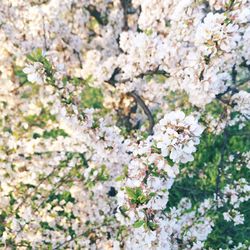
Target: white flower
(177, 135)
(35, 72)
(242, 103)
(235, 216)
(214, 33)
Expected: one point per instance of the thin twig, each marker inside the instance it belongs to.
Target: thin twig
(156, 71)
(74, 238)
(146, 110)
(124, 4)
(221, 164)
(112, 81)
(96, 14)
(234, 89)
(243, 81)
(78, 57)
(44, 36)
(234, 74)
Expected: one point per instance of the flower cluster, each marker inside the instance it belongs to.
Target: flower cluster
(177, 135)
(124, 124)
(242, 103)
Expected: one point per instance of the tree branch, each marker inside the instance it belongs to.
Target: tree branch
(124, 4)
(221, 165)
(44, 35)
(96, 14)
(117, 70)
(146, 110)
(112, 81)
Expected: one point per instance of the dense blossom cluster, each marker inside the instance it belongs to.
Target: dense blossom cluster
(177, 135)
(105, 108)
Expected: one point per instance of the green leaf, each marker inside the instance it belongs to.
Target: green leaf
(36, 55)
(130, 193)
(138, 223)
(136, 195)
(152, 225)
(103, 175)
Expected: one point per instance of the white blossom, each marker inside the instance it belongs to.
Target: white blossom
(177, 135)
(35, 73)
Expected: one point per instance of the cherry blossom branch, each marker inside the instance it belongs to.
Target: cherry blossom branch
(156, 71)
(232, 89)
